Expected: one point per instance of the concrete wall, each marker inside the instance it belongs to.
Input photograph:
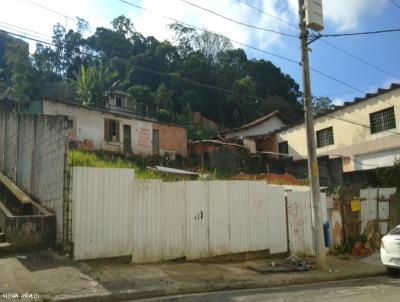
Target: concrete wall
(33, 157)
(263, 128)
(350, 139)
(89, 124)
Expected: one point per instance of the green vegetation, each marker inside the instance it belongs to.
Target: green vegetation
(168, 79)
(79, 158)
(90, 159)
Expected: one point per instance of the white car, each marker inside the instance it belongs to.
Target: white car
(390, 250)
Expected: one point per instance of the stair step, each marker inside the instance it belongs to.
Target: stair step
(5, 246)
(2, 237)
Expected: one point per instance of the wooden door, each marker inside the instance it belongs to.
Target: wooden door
(156, 142)
(127, 139)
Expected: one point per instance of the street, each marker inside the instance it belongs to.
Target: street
(385, 289)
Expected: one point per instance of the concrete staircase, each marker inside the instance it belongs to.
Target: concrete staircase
(5, 247)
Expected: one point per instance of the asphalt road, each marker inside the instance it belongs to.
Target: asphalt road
(382, 289)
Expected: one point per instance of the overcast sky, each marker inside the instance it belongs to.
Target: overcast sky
(340, 16)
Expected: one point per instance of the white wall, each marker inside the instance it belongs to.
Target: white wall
(376, 160)
(263, 128)
(158, 221)
(89, 124)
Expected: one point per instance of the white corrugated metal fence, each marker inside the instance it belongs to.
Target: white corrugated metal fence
(115, 215)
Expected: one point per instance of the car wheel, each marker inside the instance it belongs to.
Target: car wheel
(392, 270)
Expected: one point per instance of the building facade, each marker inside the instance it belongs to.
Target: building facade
(364, 133)
(116, 131)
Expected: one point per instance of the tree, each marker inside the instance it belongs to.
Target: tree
(143, 97)
(17, 58)
(183, 38)
(241, 107)
(93, 85)
(322, 105)
(163, 97)
(211, 44)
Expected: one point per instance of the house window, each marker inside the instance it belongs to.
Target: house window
(111, 130)
(325, 137)
(70, 124)
(118, 102)
(382, 120)
(283, 148)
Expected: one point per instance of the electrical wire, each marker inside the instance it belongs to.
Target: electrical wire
(238, 22)
(242, 44)
(25, 29)
(206, 85)
(359, 33)
(48, 9)
(395, 4)
(246, 45)
(268, 14)
(360, 59)
(18, 30)
(286, 34)
(210, 32)
(352, 55)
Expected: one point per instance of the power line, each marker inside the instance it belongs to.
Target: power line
(205, 85)
(360, 59)
(395, 4)
(25, 29)
(268, 14)
(359, 33)
(48, 9)
(23, 34)
(210, 32)
(249, 46)
(326, 42)
(165, 74)
(346, 84)
(239, 22)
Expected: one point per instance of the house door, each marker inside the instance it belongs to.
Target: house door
(156, 142)
(127, 139)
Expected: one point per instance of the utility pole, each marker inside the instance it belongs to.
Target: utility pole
(313, 174)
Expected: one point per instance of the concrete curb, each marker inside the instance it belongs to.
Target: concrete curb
(133, 294)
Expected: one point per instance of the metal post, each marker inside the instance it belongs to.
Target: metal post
(313, 176)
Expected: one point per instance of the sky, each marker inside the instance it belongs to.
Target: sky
(340, 16)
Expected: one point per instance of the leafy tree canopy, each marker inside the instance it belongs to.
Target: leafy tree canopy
(168, 79)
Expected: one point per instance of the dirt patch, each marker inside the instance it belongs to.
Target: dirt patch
(271, 178)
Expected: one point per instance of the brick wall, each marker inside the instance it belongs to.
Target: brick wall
(172, 138)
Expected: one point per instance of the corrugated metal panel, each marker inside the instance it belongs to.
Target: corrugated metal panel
(197, 220)
(161, 221)
(368, 206)
(384, 194)
(239, 215)
(101, 212)
(257, 202)
(277, 225)
(300, 223)
(324, 207)
(219, 217)
(173, 214)
(146, 221)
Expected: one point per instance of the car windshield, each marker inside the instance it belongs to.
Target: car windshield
(395, 231)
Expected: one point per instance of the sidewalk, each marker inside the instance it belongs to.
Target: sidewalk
(61, 279)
